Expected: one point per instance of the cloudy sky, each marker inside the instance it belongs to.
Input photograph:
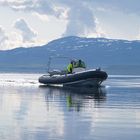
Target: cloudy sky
(25, 23)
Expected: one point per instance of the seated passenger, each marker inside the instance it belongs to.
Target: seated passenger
(79, 66)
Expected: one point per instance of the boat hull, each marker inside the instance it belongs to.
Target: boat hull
(88, 78)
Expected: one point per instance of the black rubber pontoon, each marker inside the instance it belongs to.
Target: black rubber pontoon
(88, 78)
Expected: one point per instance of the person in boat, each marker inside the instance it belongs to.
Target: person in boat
(78, 66)
(70, 67)
(75, 66)
(81, 64)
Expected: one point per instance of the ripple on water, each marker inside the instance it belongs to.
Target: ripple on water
(42, 112)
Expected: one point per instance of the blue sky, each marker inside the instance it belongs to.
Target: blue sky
(35, 22)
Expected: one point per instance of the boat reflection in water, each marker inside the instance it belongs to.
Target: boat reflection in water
(75, 98)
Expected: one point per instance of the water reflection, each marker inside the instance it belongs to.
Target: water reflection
(75, 98)
(60, 113)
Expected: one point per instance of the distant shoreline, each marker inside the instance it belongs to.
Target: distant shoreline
(111, 70)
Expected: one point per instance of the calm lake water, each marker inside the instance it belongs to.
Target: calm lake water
(29, 111)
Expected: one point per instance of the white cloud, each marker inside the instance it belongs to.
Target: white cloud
(99, 31)
(41, 17)
(39, 6)
(3, 37)
(27, 33)
(81, 21)
(49, 7)
(79, 14)
(9, 40)
(22, 36)
(14, 41)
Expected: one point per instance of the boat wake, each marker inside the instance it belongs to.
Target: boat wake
(11, 79)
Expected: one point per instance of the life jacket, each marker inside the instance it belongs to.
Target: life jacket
(69, 67)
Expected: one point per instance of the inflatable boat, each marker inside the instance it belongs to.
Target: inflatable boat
(85, 78)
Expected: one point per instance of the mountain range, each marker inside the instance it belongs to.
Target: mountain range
(111, 54)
